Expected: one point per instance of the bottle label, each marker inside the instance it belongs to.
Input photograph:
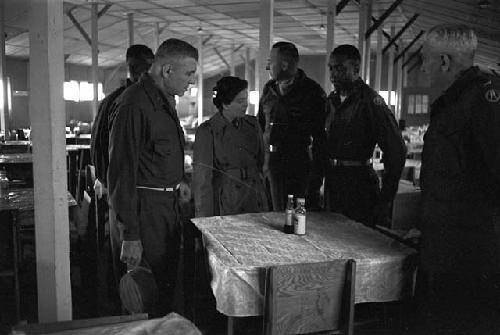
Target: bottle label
(300, 224)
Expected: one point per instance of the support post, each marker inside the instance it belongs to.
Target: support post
(330, 40)
(378, 66)
(4, 109)
(95, 51)
(232, 60)
(156, 35)
(265, 38)
(130, 20)
(399, 86)
(247, 66)
(199, 96)
(390, 71)
(48, 119)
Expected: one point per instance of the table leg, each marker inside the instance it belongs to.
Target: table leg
(230, 325)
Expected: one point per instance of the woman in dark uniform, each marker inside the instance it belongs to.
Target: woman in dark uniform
(228, 156)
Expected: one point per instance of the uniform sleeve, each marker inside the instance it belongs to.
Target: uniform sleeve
(203, 172)
(260, 114)
(125, 142)
(99, 141)
(486, 128)
(318, 113)
(260, 139)
(392, 145)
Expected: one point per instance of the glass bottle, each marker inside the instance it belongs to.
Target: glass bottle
(300, 217)
(288, 227)
(4, 185)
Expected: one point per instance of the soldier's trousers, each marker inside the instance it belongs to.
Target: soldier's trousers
(287, 175)
(352, 191)
(160, 233)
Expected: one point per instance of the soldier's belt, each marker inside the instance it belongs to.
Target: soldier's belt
(343, 162)
(160, 189)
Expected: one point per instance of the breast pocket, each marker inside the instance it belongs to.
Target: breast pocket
(162, 150)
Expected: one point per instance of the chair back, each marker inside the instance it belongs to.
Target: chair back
(306, 298)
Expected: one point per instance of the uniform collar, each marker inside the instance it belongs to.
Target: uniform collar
(464, 79)
(299, 78)
(158, 98)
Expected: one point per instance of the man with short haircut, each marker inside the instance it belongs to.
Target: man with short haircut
(460, 180)
(292, 115)
(358, 119)
(146, 165)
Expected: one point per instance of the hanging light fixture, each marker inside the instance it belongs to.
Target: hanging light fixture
(322, 26)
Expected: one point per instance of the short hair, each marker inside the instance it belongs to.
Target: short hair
(139, 58)
(347, 50)
(456, 37)
(288, 51)
(226, 89)
(176, 48)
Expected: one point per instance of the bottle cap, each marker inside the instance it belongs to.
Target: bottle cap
(290, 196)
(301, 200)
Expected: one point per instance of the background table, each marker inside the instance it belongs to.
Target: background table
(241, 247)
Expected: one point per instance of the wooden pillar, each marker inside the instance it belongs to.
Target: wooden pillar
(367, 43)
(95, 51)
(265, 39)
(247, 66)
(199, 95)
(257, 84)
(390, 71)
(232, 61)
(130, 20)
(399, 84)
(4, 110)
(363, 13)
(378, 64)
(156, 36)
(48, 120)
(330, 40)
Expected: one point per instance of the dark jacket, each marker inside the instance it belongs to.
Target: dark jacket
(146, 149)
(292, 120)
(356, 125)
(99, 140)
(227, 164)
(461, 155)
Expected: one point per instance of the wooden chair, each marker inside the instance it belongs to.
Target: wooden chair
(310, 298)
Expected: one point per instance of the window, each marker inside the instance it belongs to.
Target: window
(81, 91)
(418, 104)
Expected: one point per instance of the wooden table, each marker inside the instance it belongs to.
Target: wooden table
(20, 203)
(241, 247)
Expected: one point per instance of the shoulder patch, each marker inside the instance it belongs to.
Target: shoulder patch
(492, 95)
(378, 100)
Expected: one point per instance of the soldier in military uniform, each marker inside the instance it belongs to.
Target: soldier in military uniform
(460, 180)
(139, 59)
(357, 120)
(146, 165)
(229, 155)
(292, 116)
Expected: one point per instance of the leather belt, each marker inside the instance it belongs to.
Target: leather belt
(344, 162)
(160, 189)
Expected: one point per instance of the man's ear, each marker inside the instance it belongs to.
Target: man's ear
(445, 62)
(166, 69)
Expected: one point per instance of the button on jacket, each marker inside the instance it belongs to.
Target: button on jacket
(146, 149)
(228, 159)
(290, 123)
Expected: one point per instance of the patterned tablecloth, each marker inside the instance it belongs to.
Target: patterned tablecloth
(241, 247)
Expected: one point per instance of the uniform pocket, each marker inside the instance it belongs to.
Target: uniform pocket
(161, 153)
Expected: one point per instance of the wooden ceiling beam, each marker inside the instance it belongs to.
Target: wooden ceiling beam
(103, 10)
(400, 32)
(382, 18)
(402, 53)
(222, 58)
(413, 55)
